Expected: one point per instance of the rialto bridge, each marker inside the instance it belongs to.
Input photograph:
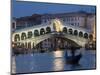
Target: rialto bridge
(34, 35)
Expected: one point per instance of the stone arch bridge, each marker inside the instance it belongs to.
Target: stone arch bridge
(36, 34)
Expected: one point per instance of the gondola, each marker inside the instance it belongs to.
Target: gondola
(73, 59)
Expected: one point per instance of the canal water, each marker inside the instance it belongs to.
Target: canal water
(53, 61)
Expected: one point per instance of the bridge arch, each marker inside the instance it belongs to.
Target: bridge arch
(75, 32)
(17, 37)
(80, 41)
(42, 31)
(48, 29)
(30, 34)
(70, 31)
(80, 34)
(36, 33)
(68, 39)
(65, 29)
(23, 36)
(86, 35)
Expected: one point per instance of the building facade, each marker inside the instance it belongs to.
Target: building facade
(77, 19)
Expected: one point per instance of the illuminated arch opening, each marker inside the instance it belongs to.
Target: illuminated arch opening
(70, 31)
(17, 37)
(30, 34)
(23, 36)
(80, 34)
(65, 30)
(42, 31)
(86, 35)
(48, 30)
(75, 32)
(36, 33)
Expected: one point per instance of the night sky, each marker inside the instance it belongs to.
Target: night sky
(21, 8)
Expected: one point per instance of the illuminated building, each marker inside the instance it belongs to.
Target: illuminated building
(78, 19)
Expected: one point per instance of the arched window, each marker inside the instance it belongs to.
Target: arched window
(80, 34)
(70, 31)
(48, 30)
(17, 37)
(91, 37)
(65, 30)
(29, 34)
(75, 32)
(42, 31)
(36, 33)
(86, 35)
(23, 36)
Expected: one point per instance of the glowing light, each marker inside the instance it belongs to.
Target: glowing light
(58, 64)
(58, 53)
(58, 26)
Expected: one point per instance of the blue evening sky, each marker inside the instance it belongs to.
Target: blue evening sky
(21, 8)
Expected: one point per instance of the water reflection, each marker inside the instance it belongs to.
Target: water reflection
(53, 61)
(58, 63)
